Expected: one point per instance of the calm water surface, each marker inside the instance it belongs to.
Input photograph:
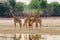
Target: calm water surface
(45, 36)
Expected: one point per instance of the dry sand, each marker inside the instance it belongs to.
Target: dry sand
(49, 25)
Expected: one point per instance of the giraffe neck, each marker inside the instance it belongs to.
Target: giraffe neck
(12, 13)
(30, 14)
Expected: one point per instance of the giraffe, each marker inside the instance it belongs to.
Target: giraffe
(27, 20)
(30, 37)
(34, 20)
(37, 20)
(16, 19)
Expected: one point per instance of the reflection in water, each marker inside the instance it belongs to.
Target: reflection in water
(26, 37)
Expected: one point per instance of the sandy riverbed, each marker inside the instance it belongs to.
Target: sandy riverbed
(8, 23)
(48, 23)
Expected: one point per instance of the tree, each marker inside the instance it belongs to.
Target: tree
(12, 3)
(56, 8)
(38, 5)
(3, 9)
(7, 11)
(35, 4)
(43, 4)
(19, 7)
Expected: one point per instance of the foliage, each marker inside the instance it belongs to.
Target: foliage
(7, 11)
(38, 5)
(55, 8)
(19, 7)
(43, 4)
(3, 9)
(35, 4)
(12, 3)
(52, 9)
(6, 6)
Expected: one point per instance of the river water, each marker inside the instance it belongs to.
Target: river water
(45, 37)
(8, 24)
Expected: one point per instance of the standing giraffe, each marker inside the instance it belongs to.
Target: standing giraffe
(16, 20)
(39, 20)
(36, 20)
(27, 20)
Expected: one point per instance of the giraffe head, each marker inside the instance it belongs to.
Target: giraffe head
(40, 13)
(31, 13)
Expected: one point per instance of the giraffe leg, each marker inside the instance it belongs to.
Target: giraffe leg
(20, 24)
(40, 22)
(19, 36)
(30, 37)
(37, 24)
(29, 24)
(14, 24)
(25, 24)
(14, 36)
(14, 30)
